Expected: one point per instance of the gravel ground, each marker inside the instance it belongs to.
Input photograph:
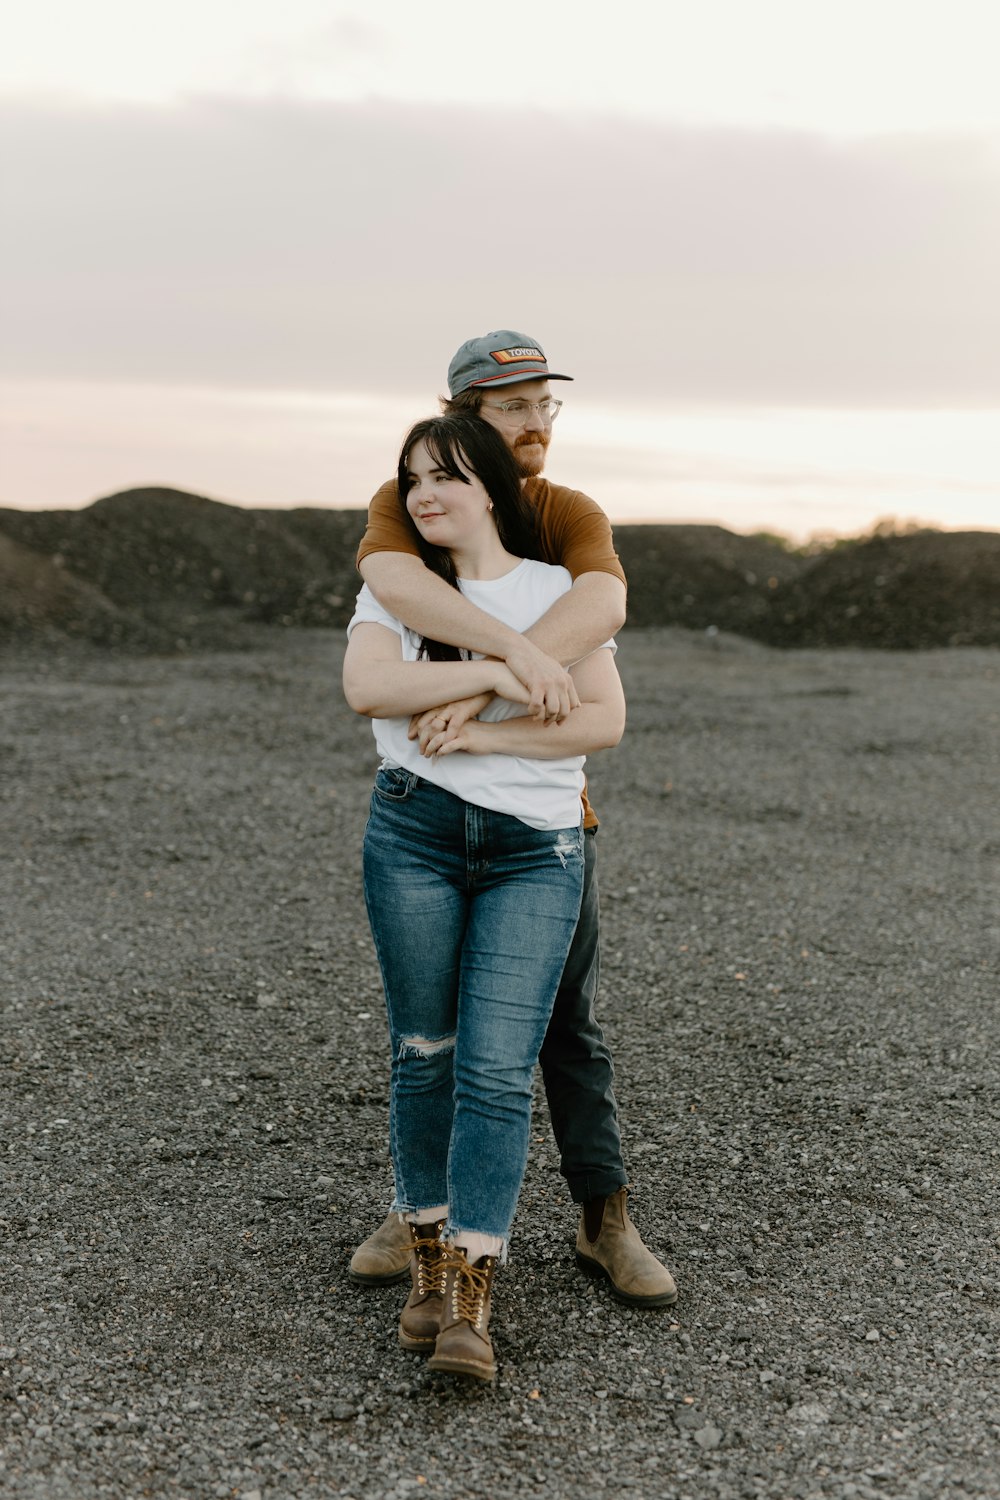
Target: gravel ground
(799, 877)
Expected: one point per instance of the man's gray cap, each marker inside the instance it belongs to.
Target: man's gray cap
(499, 358)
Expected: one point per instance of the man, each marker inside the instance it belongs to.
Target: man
(504, 378)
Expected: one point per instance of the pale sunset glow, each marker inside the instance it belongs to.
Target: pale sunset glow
(245, 240)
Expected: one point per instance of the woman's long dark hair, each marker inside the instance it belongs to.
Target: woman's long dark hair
(459, 442)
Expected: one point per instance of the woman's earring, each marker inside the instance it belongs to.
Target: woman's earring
(489, 505)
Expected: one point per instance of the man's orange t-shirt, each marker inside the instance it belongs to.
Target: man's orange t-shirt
(572, 531)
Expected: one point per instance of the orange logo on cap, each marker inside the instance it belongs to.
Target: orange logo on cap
(516, 356)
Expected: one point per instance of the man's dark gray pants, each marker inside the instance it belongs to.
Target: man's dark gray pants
(576, 1064)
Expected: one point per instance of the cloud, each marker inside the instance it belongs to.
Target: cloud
(344, 52)
(353, 247)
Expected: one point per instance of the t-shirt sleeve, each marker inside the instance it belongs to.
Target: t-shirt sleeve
(387, 530)
(368, 611)
(575, 532)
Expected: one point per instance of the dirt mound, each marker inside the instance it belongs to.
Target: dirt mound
(144, 548)
(927, 589)
(162, 569)
(702, 576)
(40, 599)
(190, 567)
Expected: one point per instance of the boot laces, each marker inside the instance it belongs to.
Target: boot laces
(430, 1263)
(469, 1289)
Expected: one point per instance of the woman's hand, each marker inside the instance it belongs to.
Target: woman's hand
(468, 736)
(452, 716)
(433, 721)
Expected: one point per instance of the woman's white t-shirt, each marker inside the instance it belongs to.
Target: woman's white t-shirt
(542, 793)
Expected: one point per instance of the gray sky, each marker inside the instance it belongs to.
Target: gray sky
(352, 247)
(241, 241)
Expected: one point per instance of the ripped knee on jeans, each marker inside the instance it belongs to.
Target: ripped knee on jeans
(422, 1046)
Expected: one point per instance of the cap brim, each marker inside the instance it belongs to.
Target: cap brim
(514, 377)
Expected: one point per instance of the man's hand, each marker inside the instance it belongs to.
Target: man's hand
(450, 716)
(552, 694)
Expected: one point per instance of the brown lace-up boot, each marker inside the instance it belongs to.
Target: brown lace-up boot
(421, 1317)
(463, 1345)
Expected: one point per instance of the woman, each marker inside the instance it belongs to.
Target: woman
(473, 869)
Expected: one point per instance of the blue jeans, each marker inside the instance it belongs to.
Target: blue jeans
(472, 913)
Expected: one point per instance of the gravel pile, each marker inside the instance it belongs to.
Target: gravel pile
(922, 590)
(166, 571)
(801, 934)
(184, 570)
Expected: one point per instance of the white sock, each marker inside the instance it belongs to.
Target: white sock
(478, 1245)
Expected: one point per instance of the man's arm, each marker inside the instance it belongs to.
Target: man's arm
(589, 614)
(584, 618)
(412, 593)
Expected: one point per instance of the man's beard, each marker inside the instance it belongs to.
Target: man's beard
(529, 461)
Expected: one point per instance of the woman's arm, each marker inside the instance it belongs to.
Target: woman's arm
(597, 724)
(381, 685)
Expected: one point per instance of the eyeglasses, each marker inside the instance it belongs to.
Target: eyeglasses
(518, 412)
